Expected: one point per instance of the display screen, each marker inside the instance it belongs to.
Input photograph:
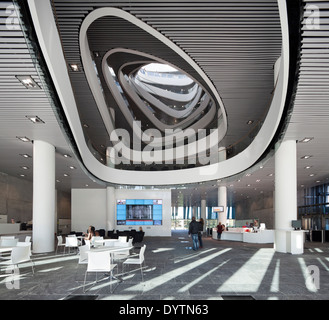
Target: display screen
(139, 212)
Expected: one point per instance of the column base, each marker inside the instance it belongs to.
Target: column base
(289, 241)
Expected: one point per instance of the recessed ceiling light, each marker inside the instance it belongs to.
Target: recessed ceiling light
(24, 139)
(66, 156)
(25, 167)
(25, 155)
(306, 157)
(250, 121)
(35, 119)
(72, 167)
(308, 167)
(74, 67)
(306, 140)
(65, 175)
(312, 175)
(22, 175)
(28, 82)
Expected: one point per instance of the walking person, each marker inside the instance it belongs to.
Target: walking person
(219, 230)
(200, 233)
(193, 231)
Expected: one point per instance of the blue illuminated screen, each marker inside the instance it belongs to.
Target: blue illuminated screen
(139, 212)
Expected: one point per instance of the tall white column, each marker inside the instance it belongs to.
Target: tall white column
(110, 208)
(285, 196)
(43, 197)
(222, 201)
(203, 213)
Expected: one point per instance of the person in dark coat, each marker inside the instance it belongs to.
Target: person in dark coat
(193, 231)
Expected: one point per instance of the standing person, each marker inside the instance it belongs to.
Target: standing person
(201, 223)
(219, 230)
(193, 231)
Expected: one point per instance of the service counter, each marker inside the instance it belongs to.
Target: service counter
(263, 236)
(13, 229)
(239, 234)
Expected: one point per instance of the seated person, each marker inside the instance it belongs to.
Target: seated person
(90, 234)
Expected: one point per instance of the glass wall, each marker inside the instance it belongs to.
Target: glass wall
(315, 211)
(182, 216)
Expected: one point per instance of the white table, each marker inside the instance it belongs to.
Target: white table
(106, 242)
(6, 249)
(112, 249)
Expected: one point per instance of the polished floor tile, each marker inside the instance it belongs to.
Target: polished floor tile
(221, 270)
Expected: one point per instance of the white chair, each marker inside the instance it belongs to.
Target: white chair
(109, 243)
(60, 243)
(83, 251)
(97, 241)
(20, 254)
(25, 244)
(122, 238)
(71, 242)
(137, 261)
(7, 242)
(99, 261)
(122, 254)
(27, 238)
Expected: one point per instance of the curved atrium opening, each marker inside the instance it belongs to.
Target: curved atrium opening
(162, 114)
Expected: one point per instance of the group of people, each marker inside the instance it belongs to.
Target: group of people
(196, 231)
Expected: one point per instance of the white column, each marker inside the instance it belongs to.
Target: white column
(110, 208)
(222, 201)
(194, 211)
(285, 196)
(43, 197)
(203, 213)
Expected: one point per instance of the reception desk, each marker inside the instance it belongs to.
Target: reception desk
(239, 234)
(264, 236)
(13, 229)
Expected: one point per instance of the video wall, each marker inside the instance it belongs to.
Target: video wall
(139, 212)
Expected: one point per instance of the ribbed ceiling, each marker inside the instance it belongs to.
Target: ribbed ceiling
(236, 44)
(17, 103)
